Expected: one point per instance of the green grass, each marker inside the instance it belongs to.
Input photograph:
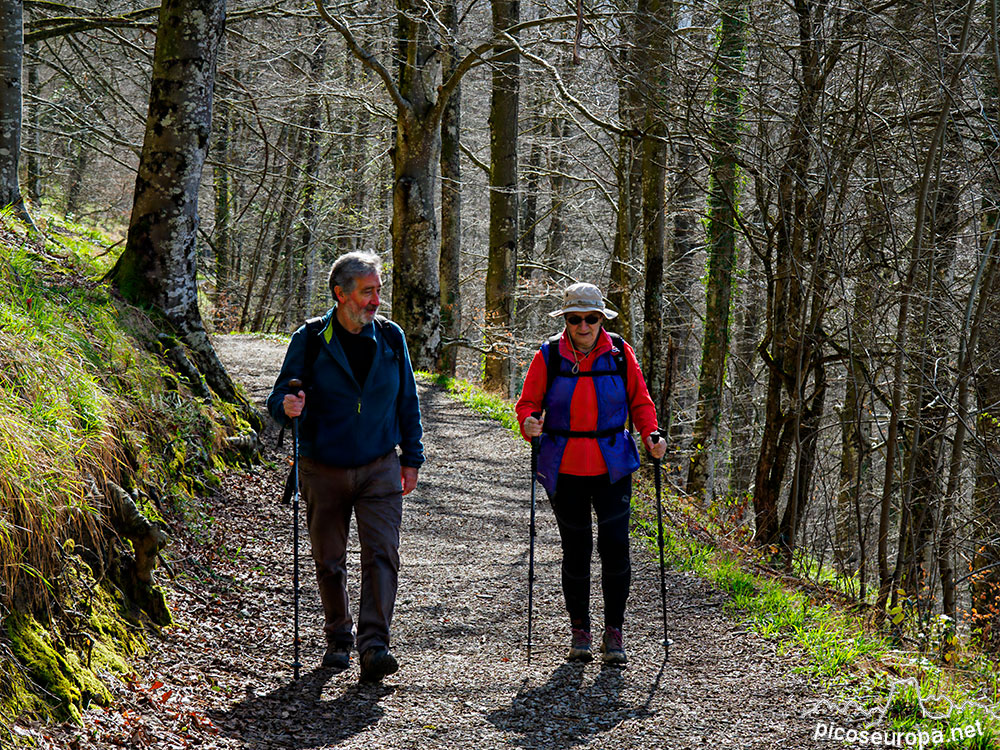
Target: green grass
(488, 405)
(85, 397)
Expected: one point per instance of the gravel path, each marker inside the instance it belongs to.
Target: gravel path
(459, 628)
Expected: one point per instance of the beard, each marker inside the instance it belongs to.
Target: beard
(360, 316)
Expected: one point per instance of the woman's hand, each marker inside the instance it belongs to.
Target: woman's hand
(657, 449)
(533, 426)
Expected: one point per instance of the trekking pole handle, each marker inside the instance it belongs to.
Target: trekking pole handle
(535, 415)
(534, 443)
(656, 436)
(295, 384)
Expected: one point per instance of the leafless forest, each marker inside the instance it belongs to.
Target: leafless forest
(793, 205)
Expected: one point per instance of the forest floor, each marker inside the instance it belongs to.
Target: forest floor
(221, 676)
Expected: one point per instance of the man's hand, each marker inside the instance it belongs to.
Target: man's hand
(657, 449)
(533, 426)
(408, 476)
(294, 404)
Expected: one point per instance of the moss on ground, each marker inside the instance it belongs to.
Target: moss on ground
(51, 664)
(87, 396)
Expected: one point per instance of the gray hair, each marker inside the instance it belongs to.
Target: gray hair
(351, 266)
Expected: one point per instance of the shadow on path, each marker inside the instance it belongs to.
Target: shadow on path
(297, 716)
(565, 712)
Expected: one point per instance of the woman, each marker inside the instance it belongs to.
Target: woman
(579, 392)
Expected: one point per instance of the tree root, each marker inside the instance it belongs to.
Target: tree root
(147, 537)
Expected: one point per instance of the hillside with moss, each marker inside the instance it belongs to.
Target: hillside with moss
(105, 434)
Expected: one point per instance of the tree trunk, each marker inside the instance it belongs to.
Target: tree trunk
(985, 581)
(855, 482)
(889, 580)
(502, 262)
(419, 101)
(11, 57)
(159, 264)
(984, 346)
(416, 292)
(304, 279)
(529, 212)
(33, 166)
(681, 277)
(788, 342)
(223, 240)
(985, 527)
(555, 238)
(416, 289)
(722, 209)
(628, 175)
(76, 175)
(654, 25)
(451, 200)
(805, 459)
(745, 414)
(282, 230)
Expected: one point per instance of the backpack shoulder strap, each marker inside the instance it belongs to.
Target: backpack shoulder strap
(553, 363)
(621, 364)
(314, 327)
(392, 335)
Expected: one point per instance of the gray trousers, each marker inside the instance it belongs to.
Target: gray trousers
(375, 495)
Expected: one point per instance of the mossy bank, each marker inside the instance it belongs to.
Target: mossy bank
(104, 449)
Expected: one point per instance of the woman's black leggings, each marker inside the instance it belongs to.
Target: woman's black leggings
(571, 502)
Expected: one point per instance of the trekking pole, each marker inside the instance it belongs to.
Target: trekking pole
(656, 437)
(531, 533)
(295, 384)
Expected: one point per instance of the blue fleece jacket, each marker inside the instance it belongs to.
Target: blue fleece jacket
(346, 423)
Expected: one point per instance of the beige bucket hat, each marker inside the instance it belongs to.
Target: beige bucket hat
(583, 297)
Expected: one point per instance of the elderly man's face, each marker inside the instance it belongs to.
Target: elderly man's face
(359, 305)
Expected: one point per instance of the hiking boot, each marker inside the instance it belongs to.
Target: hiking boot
(376, 663)
(612, 649)
(337, 657)
(579, 647)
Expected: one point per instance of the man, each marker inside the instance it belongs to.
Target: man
(358, 403)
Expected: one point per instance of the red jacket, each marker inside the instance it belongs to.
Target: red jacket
(582, 456)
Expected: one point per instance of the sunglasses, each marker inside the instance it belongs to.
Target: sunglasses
(592, 320)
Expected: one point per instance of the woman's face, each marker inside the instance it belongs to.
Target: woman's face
(584, 329)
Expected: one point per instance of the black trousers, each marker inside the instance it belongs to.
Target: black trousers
(572, 502)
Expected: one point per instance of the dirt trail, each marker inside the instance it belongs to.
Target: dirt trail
(459, 628)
